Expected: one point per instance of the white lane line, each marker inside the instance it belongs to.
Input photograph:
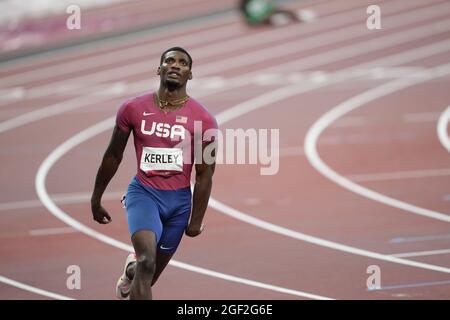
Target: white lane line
(412, 285)
(442, 129)
(420, 253)
(420, 117)
(41, 190)
(261, 55)
(291, 151)
(344, 108)
(26, 287)
(246, 281)
(25, 204)
(145, 49)
(61, 198)
(54, 109)
(433, 237)
(52, 231)
(355, 121)
(399, 175)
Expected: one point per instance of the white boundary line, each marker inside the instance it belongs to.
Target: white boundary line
(59, 198)
(442, 129)
(384, 176)
(51, 231)
(420, 253)
(26, 287)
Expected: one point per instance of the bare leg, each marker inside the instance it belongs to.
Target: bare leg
(144, 243)
(161, 262)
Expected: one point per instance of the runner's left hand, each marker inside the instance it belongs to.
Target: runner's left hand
(193, 231)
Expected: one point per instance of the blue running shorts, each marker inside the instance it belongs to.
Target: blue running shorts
(165, 212)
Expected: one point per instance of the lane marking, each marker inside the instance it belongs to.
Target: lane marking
(59, 198)
(346, 107)
(420, 117)
(412, 285)
(421, 253)
(52, 231)
(442, 129)
(420, 238)
(399, 175)
(26, 287)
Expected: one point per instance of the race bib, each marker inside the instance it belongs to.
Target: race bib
(161, 161)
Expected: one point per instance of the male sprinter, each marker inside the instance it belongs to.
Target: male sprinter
(158, 199)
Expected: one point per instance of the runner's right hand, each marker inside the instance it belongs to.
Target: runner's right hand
(100, 215)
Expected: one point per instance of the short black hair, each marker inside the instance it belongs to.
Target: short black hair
(177, 49)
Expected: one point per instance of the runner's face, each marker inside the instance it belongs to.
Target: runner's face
(174, 70)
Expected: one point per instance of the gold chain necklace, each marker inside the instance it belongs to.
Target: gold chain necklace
(174, 103)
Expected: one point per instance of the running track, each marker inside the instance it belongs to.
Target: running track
(364, 159)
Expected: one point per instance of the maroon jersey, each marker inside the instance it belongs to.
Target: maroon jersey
(164, 141)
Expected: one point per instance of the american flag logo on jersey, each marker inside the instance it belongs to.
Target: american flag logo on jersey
(181, 119)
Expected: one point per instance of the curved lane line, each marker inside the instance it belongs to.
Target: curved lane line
(442, 129)
(352, 104)
(26, 287)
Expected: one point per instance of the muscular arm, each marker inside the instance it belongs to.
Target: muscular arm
(110, 164)
(202, 190)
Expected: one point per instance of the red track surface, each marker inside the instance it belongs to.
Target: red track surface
(376, 138)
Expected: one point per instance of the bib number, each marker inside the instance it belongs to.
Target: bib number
(161, 161)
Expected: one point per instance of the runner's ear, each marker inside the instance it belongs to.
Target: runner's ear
(158, 71)
(190, 75)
